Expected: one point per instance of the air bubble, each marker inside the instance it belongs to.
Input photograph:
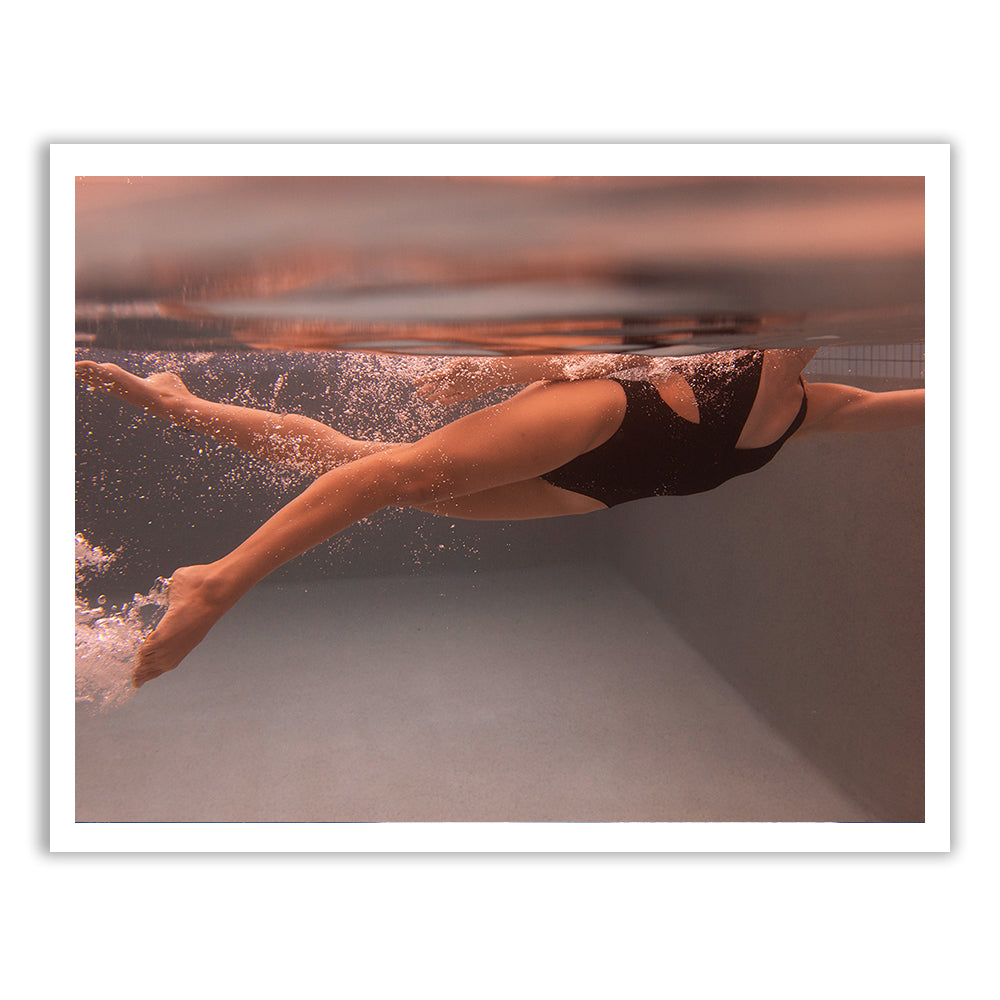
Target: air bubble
(106, 645)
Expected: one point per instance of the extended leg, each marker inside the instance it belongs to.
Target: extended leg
(515, 441)
(308, 445)
(288, 439)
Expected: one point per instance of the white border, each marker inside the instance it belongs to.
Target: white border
(932, 161)
(500, 159)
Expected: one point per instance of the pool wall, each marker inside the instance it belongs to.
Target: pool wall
(803, 586)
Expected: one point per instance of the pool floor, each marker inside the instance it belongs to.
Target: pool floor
(554, 693)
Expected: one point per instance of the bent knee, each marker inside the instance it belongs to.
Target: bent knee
(296, 425)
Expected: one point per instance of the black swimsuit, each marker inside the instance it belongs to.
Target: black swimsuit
(656, 452)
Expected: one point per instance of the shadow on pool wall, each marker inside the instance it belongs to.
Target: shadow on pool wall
(816, 564)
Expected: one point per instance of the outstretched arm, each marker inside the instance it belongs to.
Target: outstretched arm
(846, 409)
(465, 378)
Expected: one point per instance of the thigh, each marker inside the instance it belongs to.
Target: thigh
(520, 439)
(532, 498)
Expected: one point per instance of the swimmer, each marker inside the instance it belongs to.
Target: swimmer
(575, 441)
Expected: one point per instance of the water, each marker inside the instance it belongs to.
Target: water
(442, 265)
(108, 637)
(150, 494)
(327, 297)
(157, 496)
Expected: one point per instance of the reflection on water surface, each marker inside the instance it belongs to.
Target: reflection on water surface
(498, 265)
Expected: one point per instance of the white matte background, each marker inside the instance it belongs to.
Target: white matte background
(541, 925)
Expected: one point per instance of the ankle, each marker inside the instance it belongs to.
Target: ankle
(208, 584)
(221, 584)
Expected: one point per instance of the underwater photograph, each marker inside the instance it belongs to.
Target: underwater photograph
(498, 499)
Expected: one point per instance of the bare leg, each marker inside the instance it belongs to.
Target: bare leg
(288, 439)
(511, 443)
(308, 445)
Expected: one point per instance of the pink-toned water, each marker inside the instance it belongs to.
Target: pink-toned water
(326, 296)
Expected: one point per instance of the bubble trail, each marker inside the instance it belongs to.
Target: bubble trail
(107, 643)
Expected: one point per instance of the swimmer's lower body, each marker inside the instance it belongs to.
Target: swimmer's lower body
(289, 439)
(307, 445)
(485, 465)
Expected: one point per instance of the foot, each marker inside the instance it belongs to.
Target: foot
(194, 605)
(156, 393)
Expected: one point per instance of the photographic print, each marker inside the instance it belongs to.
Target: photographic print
(499, 497)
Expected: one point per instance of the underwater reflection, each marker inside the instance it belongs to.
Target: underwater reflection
(500, 265)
